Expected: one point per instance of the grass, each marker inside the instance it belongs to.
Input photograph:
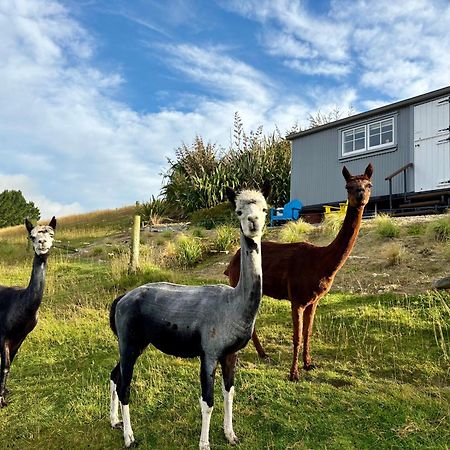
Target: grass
(385, 227)
(295, 231)
(382, 377)
(439, 229)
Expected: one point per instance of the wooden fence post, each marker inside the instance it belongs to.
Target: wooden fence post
(135, 241)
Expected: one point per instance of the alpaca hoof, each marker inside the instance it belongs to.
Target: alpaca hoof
(264, 356)
(131, 443)
(294, 376)
(232, 438)
(3, 402)
(117, 425)
(309, 366)
(204, 445)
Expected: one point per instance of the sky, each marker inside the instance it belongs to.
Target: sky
(95, 95)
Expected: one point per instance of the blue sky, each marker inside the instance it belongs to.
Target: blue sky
(96, 94)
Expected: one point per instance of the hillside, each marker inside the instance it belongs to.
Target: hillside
(381, 345)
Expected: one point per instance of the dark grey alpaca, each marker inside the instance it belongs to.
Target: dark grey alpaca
(19, 306)
(212, 322)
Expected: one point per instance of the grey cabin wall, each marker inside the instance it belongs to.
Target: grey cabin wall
(317, 167)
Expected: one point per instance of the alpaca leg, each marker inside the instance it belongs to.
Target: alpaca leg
(261, 353)
(308, 320)
(228, 364)
(128, 357)
(5, 365)
(114, 409)
(207, 373)
(297, 322)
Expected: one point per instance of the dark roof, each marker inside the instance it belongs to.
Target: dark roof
(372, 112)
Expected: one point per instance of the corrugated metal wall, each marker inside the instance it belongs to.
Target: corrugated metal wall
(317, 168)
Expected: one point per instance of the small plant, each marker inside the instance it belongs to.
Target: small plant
(198, 232)
(394, 254)
(385, 227)
(153, 210)
(415, 229)
(187, 251)
(295, 231)
(227, 236)
(332, 223)
(439, 229)
(97, 251)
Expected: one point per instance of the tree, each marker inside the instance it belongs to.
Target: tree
(14, 209)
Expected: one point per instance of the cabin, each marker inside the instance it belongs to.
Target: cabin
(408, 143)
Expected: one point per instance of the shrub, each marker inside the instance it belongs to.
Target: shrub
(153, 210)
(385, 227)
(332, 223)
(394, 254)
(439, 229)
(295, 231)
(198, 232)
(187, 251)
(227, 236)
(416, 229)
(212, 217)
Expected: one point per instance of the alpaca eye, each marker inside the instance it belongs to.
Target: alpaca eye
(239, 213)
(265, 210)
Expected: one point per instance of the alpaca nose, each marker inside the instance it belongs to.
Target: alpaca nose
(253, 221)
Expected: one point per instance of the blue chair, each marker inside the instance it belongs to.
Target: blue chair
(291, 211)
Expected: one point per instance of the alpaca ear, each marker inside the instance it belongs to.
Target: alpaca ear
(369, 171)
(29, 226)
(346, 173)
(231, 195)
(53, 223)
(266, 189)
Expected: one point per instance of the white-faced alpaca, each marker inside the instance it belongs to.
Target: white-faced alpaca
(19, 306)
(212, 322)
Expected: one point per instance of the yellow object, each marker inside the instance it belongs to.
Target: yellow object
(341, 209)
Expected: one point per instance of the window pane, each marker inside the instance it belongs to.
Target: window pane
(387, 123)
(386, 138)
(374, 129)
(348, 147)
(359, 144)
(348, 136)
(360, 134)
(374, 140)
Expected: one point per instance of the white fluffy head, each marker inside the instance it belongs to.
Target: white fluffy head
(251, 208)
(42, 238)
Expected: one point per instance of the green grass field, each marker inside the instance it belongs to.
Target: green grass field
(382, 380)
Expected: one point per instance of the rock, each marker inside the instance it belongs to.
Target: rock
(443, 283)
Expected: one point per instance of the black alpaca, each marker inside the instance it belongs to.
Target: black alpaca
(19, 306)
(212, 322)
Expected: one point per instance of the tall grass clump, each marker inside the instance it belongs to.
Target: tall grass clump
(295, 231)
(394, 254)
(439, 230)
(153, 211)
(385, 227)
(332, 223)
(227, 236)
(185, 252)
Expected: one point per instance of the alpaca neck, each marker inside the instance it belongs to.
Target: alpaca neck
(344, 242)
(249, 288)
(35, 289)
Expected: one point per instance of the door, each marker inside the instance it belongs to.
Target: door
(432, 145)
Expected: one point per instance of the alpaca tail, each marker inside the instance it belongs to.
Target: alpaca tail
(112, 315)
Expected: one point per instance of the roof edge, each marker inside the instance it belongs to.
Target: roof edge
(372, 112)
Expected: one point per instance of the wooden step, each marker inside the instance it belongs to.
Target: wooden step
(420, 212)
(434, 194)
(422, 204)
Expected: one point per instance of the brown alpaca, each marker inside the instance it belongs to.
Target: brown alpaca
(303, 273)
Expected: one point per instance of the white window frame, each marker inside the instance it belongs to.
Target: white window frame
(381, 145)
(367, 148)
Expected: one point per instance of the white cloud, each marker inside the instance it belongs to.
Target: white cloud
(27, 186)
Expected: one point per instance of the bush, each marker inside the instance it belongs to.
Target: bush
(212, 217)
(394, 254)
(439, 229)
(332, 223)
(187, 251)
(227, 236)
(385, 227)
(295, 231)
(153, 211)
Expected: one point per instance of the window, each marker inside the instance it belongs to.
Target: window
(372, 136)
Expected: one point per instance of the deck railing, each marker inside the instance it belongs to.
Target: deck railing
(394, 174)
